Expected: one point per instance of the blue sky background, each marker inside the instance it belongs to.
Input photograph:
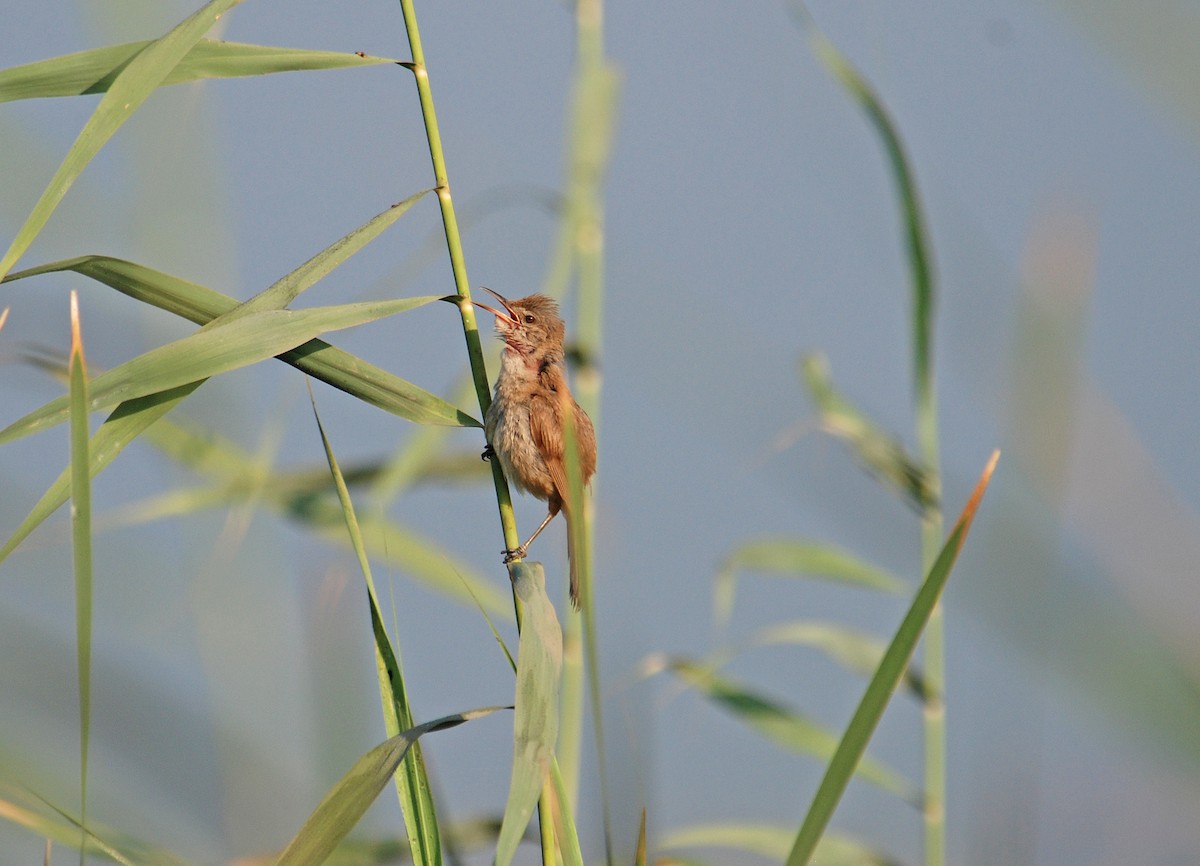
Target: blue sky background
(750, 219)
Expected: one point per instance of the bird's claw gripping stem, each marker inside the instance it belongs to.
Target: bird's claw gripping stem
(514, 554)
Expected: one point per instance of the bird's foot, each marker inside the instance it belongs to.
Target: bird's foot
(514, 554)
(488, 453)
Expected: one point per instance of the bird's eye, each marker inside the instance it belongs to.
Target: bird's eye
(530, 319)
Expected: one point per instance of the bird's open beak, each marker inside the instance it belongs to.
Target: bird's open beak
(510, 314)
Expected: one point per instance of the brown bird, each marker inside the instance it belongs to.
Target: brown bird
(524, 425)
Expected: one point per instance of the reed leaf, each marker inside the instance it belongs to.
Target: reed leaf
(95, 70)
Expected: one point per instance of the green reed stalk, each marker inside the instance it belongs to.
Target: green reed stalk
(458, 262)
(470, 328)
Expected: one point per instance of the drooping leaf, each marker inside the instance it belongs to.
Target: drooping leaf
(855, 650)
(879, 453)
(780, 724)
(795, 557)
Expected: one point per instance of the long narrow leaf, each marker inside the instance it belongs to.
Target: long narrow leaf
(354, 793)
(535, 727)
(783, 725)
(94, 71)
(322, 361)
(887, 676)
(246, 341)
(125, 95)
(81, 543)
(412, 782)
(285, 290)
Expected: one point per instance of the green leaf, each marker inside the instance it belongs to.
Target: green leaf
(916, 242)
(879, 453)
(799, 558)
(125, 95)
(248, 340)
(354, 793)
(855, 650)
(95, 71)
(535, 727)
(65, 829)
(412, 782)
(887, 676)
(201, 304)
(772, 842)
(81, 543)
(782, 725)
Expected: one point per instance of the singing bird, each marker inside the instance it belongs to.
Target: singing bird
(524, 425)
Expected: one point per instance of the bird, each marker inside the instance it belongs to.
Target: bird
(531, 405)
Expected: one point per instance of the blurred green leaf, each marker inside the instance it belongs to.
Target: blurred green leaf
(207, 352)
(535, 726)
(354, 793)
(879, 453)
(797, 558)
(855, 650)
(65, 830)
(140, 77)
(201, 304)
(771, 841)
(782, 725)
(94, 71)
(853, 745)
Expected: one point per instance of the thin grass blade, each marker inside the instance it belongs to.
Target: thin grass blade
(639, 852)
(887, 676)
(412, 780)
(81, 543)
(354, 793)
(331, 365)
(783, 725)
(248, 340)
(94, 71)
(535, 726)
(143, 74)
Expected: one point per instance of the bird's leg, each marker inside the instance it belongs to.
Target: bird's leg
(519, 553)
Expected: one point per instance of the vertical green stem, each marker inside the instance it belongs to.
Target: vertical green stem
(458, 262)
(470, 329)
